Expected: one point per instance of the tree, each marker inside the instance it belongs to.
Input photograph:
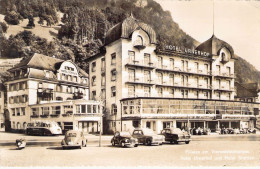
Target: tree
(31, 22)
(12, 18)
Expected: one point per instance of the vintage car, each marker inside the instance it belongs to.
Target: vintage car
(176, 135)
(74, 139)
(148, 137)
(124, 139)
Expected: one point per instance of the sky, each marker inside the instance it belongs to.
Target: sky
(237, 22)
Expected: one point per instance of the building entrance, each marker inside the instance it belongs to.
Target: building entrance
(88, 126)
(212, 125)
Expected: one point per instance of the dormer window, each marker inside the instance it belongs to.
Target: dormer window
(138, 43)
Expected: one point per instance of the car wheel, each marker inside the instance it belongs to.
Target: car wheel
(148, 142)
(136, 145)
(187, 142)
(122, 144)
(80, 147)
(113, 143)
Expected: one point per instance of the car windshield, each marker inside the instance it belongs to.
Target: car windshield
(125, 134)
(148, 131)
(71, 134)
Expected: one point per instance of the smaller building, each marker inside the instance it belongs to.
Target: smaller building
(248, 92)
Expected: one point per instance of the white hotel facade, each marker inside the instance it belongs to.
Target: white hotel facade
(43, 88)
(141, 86)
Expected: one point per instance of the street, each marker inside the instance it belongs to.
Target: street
(212, 150)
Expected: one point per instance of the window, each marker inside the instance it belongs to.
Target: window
(218, 83)
(138, 41)
(11, 100)
(229, 96)
(218, 69)
(171, 79)
(103, 65)
(35, 111)
(68, 89)
(113, 75)
(160, 62)
(160, 92)
(93, 66)
(160, 78)
(186, 65)
(94, 94)
(18, 113)
(146, 91)
(172, 92)
(58, 88)
(94, 81)
(131, 75)
(172, 64)
(113, 91)
(81, 109)
(68, 125)
(229, 71)
(206, 95)
(131, 91)
(148, 124)
(23, 111)
(13, 112)
(147, 59)
(103, 80)
(131, 55)
(229, 84)
(206, 80)
(218, 95)
(197, 94)
(75, 79)
(113, 58)
(45, 111)
(182, 65)
(56, 110)
(147, 76)
(103, 93)
(113, 109)
(206, 67)
(196, 67)
(197, 81)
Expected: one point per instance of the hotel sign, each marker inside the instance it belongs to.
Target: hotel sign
(186, 50)
(69, 72)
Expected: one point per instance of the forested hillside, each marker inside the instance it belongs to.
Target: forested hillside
(83, 26)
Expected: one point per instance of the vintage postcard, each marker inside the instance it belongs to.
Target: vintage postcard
(129, 83)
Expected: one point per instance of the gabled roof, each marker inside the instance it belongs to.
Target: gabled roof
(43, 62)
(213, 46)
(126, 28)
(38, 61)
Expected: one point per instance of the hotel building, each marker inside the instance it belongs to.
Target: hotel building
(43, 88)
(2, 119)
(141, 86)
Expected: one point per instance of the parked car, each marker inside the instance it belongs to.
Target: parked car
(124, 139)
(74, 139)
(148, 137)
(176, 135)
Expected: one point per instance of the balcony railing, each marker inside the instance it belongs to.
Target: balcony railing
(184, 71)
(55, 115)
(140, 63)
(140, 81)
(224, 74)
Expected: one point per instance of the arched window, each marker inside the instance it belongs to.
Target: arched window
(24, 125)
(139, 40)
(59, 98)
(18, 125)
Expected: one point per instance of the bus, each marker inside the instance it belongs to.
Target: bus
(45, 128)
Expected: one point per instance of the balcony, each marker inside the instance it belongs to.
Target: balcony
(138, 43)
(44, 116)
(34, 116)
(224, 75)
(179, 70)
(146, 81)
(224, 88)
(141, 63)
(86, 114)
(55, 115)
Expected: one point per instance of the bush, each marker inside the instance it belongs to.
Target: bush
(12, 18)
(4, 27)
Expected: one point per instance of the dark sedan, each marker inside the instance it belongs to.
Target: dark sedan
(176, 135)
(124, 139)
